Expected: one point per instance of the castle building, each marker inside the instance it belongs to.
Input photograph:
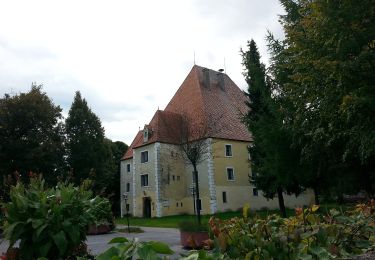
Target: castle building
(156, 177)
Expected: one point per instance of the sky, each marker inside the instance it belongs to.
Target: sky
(127, 58)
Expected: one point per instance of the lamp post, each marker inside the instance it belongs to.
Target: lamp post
(126, 209)
(192, 191)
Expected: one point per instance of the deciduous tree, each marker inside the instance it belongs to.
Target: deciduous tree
(31, 135)
(329, 53)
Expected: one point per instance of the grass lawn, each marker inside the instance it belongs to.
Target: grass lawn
(172, 221)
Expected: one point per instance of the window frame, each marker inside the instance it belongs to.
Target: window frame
(143, 158)
(142, 176)
(231, 150)
(128, 167)
(230, 168)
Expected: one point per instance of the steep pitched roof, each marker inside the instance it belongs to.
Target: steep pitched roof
(211, 99)
(208, 99)
(163, 127)
(129, 153)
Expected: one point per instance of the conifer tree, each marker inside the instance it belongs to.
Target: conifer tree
(87, 153)
(274, 164)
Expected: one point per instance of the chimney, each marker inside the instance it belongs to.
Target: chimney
(206, 78)
(221, 80)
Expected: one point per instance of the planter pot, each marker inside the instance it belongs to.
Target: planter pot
(193, 240)
(98, 229)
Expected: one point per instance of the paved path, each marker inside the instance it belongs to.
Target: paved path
(99, 243)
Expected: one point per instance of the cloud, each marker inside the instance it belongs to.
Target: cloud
(127, 58)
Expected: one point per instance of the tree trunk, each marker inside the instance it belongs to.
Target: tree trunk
(281, 202)
(316, 193)
(198, 205)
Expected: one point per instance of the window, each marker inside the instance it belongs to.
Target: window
(224, 197)
(228, 150)
(145, 134)
(181, 204)
(255, 192)
(127, 187)
(230, 174)
(144, 157)
(127, 207)
(128, 167)
(144, 180)
(173, 177)
(177, 204)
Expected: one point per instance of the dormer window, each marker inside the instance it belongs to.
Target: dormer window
(145, 134)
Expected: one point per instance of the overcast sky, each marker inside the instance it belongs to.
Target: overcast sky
(127, 58)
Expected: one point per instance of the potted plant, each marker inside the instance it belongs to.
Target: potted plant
(103, 218)
(193, 235)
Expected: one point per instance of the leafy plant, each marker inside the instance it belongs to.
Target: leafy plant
(48, 222)
(127, 249)
(307, 235)
(101, 211)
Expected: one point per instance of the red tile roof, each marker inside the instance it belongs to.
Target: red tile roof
(207, 99)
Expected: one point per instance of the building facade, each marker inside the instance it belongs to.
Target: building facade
(156, 177)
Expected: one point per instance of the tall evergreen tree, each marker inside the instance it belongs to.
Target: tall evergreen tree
(31, 135)
(274, 163)
(88, 156)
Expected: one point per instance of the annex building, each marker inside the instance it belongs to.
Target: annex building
(156, 178)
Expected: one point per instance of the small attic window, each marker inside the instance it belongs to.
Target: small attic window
(145, 134)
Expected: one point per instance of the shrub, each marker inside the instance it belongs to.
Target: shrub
(307, 235)
(101, 211)
(49, 222)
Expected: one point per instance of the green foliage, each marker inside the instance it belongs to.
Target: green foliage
(118, 150)
(85, 141)
(124, 249)
(101, 211)
(31, 137)
(90, 154)
(274, 163)
(48, 222)
(307, 235)
(324, 69)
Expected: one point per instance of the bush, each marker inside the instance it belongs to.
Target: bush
(101, 211)
(50, 222)
(307, 235)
